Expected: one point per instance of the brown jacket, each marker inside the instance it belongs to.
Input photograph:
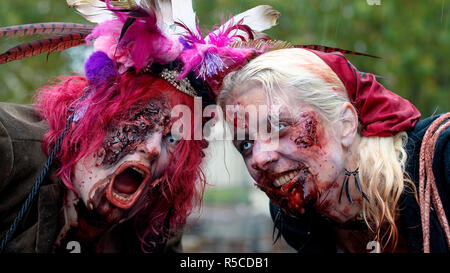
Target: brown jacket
(21, 161)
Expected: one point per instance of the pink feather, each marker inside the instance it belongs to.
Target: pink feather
(142, 44)
(203, 56)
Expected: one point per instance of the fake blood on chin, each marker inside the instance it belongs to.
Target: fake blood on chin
(295, 196)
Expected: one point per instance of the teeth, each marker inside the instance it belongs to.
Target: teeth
(138, 170)
(280, 181)
(121, 198)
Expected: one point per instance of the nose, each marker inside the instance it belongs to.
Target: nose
(151, 147)
(263, 155)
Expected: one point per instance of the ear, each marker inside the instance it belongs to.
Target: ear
(348, 124)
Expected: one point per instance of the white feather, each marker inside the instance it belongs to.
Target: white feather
(259, 18)
(78, 2)
(163, 10)
(93, 10)
(183, 12)
(144, 3)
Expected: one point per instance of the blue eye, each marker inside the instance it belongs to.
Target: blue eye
(172, 140)
(246, 145)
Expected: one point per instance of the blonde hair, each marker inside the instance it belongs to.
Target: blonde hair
(303, 76)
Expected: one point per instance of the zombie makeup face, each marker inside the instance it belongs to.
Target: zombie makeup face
(114, 181)
(304, 170)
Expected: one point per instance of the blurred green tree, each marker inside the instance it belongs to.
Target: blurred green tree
(19, 79)
(412, 37)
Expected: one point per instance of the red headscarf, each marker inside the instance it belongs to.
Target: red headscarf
(381, 112)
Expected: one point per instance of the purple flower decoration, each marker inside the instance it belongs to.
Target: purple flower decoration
(99, 67)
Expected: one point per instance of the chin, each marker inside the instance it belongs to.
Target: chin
(104, 212)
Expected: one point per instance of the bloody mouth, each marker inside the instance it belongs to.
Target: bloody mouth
(127, 184)
(292, 190)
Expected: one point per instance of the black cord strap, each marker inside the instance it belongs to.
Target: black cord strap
(355, 173)
(36, 186)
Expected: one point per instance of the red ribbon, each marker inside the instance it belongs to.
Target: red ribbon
(381, 112)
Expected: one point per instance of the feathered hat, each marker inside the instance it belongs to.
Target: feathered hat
(148, 36)
(156, 36)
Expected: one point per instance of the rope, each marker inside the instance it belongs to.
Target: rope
(427, 184)
(36, 186)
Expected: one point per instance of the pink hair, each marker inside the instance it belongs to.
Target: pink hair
(167, 209)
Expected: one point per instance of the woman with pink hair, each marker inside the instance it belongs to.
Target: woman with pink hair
(122, 179)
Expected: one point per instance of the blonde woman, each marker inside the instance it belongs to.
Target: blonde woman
(344, 173)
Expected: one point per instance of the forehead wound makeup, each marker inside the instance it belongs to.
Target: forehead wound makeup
(124, 137)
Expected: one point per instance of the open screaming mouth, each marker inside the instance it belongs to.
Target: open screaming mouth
(127, 184)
